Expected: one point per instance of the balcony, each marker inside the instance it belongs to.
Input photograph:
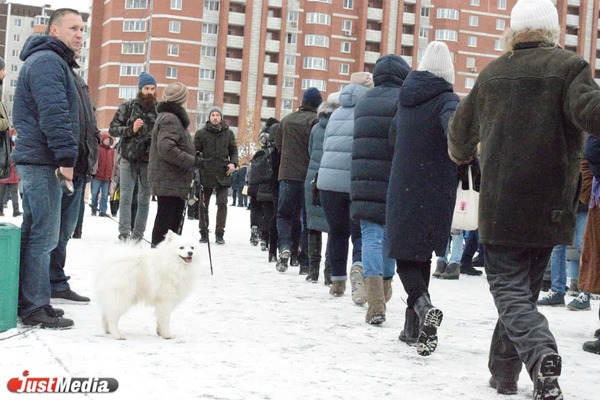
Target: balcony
(375, 14)
(408, 40)
(267, 112)
(274, 23)
(272, 46)
(232, 87)
(275, 3)
(572, 20)
(231, 109)
(269, 91)
(236, 42)
(371, 57)
(373, 36)
(571, 40)
(408, 18)
(236, 18)
(234, 64)
(271, 68)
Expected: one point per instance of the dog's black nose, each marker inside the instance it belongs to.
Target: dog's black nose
(190, 253)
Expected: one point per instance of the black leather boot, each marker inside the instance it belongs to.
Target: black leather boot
(410, 333)
(430, 318)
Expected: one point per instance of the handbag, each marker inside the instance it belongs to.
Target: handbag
(245, 190)
(466, 209)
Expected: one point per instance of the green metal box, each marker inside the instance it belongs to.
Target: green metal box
(10, 245)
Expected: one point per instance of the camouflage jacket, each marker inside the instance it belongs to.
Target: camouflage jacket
(135, 147)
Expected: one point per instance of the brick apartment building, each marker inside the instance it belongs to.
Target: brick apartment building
(254, 58)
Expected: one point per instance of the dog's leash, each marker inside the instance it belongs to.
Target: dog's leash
(204, 211)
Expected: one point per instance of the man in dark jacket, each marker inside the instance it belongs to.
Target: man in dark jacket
(291, 139)
(217, 144)
(528, 109)
(47, 116)
(133, 123)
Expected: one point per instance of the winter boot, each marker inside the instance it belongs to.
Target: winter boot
(203, 236)
(507, 388)
(439, 268)
(327, 273)
(337, 288)
(282, 262)
(315, 245)
(387, 289)
(376, 299)
(452, 271)
(254, 235)
(545, 378)
(264, 246)
(410, 333)
(430, 318)
(358, 285)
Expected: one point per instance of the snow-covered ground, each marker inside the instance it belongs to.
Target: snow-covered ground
(249, 332)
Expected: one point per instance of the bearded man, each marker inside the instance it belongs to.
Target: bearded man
(133, 123)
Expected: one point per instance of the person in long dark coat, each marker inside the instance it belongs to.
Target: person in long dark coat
(423, 183)
(528, 109)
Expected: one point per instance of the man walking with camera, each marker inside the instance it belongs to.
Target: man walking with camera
(217, 144)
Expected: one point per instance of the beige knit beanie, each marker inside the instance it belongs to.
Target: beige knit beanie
(437, 60)
(534, 14)
(175, 92)
(362, 78)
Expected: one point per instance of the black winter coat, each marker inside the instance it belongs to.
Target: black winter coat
(423, 181)
(218, 147)
(371, 149)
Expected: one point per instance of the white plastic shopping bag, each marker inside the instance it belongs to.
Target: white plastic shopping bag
(466, 209)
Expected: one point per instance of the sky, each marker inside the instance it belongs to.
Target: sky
(248, 332)
(80, 5)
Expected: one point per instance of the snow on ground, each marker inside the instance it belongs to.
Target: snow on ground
(249, 332)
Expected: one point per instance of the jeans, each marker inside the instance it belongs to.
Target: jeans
(454, 247)
(69, 214)
(341, 227)
(471, 246)
(558, 268)
(221, 210)
(39, 234)
(99, 187)
(522, 334)
(130, 175)
(290, 207)
(374, 242)
(577, 245)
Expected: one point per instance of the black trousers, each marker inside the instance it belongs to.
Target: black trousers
(169, 215)
(414, 276)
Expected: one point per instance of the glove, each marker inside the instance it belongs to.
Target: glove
(199, 161)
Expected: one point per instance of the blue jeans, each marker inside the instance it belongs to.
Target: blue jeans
(69, 214)
(129, 175)
(558, 268)
(290, 207)
(99, 187)
(341, 227)
(374, 260)
(577, 244)
(454, 247)
(39, 234)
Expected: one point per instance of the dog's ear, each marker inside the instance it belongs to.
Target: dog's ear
(170, 236)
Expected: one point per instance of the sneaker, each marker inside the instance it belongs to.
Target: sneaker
(553, 299)
(504, 387)
(58, 311)
(220, 240)
(469, 270)
(203, 239)
(592, 347)
(103, 214)
(123, 237)
(357, 283)
(68, 297)
(47, 318)
(452, 271)
(263, 245)
(337, 288)
(282, 262)
(545, 378)
(17, 213)
(254, 235)
(580, 303)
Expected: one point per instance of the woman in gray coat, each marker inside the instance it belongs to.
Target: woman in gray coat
(171, 162)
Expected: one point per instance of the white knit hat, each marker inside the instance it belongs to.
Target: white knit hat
(437, 60)
(362, 78)
(534, 14)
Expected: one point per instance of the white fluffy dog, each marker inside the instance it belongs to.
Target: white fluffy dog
(160, 278)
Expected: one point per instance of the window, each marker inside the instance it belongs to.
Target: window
(128, 92)
(17, 21)
(447, 13)
(498, 45)
(211, 5)
(318, 18)
(131, 69)
(319, 84)
(470, 62)
(171, 72)
(348, 4)
(15, 53)
(135, 4)
(174, 26)
(475, 3)
(173, 49)
(210, 29)
(133, 48)
(501, 4)
(14, 68)
(473, 20)
(322, 1)
(17, 38)
(423, 33)
(207, 74)
(208, 51)
(425, 12)
(469, 83)
(13, 83)
(134, 25)
(205, 96)
(344, 69)
(500, 24)
(318, 63)
(446, 34)
(176, 4)
(288, 83)
(316, 40)
(345, 47)
(293, 16)
(347, 26)
(286, 104)
(292, 38)
(472, 41)
(290, 60)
